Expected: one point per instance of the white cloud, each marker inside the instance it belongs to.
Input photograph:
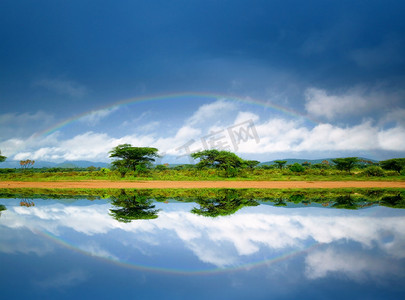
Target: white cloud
(231, 240)
(359, 101)
(148, 127)
(275, 135)
(396, 115)
(244, 116)
(15, 125)
(280, 135)
(62, 86)
(212, 112)
(321, 104)
(392, 139)
(96, 116)
(355, 265)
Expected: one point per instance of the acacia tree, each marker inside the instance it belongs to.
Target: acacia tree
(2, 158)
(396, 164)
(251, 164)
(132, 158)
(223, 160)
(138, 206)
(280, 163)
(346, 164)
(25, 164)
(226, 202)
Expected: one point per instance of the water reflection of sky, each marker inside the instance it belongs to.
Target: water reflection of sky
(66, 250)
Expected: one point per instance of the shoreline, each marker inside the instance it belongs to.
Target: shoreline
(103, 184)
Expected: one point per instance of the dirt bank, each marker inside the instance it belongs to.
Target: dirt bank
(98, 184)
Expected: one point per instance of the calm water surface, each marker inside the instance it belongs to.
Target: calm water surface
(83, 249)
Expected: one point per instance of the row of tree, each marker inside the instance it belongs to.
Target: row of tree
(129, 158)
(139, 159)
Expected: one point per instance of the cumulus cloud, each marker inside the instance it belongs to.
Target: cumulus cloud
(15, 125)
(359, 101)
(355, 265)
(321, 104)
(272, 135)
(92, 146)
(96, 116)
(280, 135)
(276, 135)
(232, 240)
(212, 111)
(396, 115)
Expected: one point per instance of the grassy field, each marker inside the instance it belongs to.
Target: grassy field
(208, 174)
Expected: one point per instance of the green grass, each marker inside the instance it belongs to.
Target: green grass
(194, 193)
(201, 175)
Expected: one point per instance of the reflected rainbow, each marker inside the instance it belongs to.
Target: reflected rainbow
(181, 272)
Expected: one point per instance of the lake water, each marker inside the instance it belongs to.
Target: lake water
(102, 249)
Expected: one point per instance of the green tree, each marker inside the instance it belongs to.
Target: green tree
(251, 164)
(226, 202)
(136, 206)
(223, 160)
(280, 163)
(132, 158)
(397, 201)
(345, 202)
(2, 207)
(296, 167)
(2, 158)
(345, 164)
(396, 164)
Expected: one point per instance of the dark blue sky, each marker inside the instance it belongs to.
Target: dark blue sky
(339, 62)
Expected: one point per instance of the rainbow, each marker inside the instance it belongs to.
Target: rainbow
(176, 96)
(139, 267)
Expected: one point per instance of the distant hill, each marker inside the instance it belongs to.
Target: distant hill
(291, 161)
(65, 164)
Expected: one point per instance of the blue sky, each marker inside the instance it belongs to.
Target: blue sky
(293, 79)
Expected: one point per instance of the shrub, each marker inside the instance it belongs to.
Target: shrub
(161, 167)
(373, 171)
(297, 168)
(391, 173)
(268, 167)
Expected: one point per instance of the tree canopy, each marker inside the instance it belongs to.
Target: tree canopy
(217, 159)
(280, 163)
(345, 164)
(2, 158)
(396, 164)
(135, 207)
(227, 202)
(132, 157)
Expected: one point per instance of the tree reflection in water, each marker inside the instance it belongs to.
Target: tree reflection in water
(27, 203)
(2, 207)
(396, 201)
(345, 202)
(227, 202)
(136, 206)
